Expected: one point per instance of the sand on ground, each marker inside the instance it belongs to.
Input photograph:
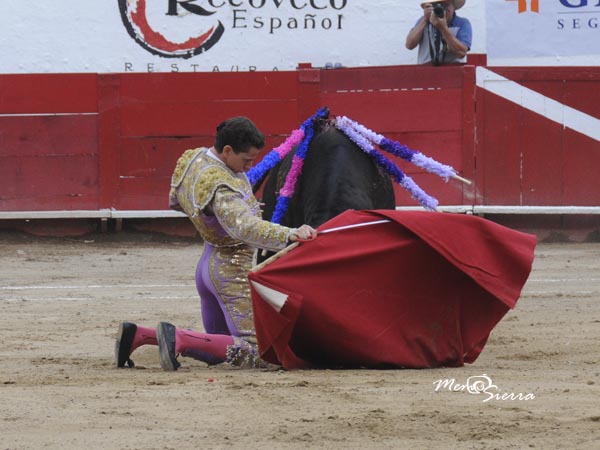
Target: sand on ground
(61, 301)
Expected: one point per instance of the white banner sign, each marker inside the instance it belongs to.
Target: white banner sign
(202, 35)
(542, 28)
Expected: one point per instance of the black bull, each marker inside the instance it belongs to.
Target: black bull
(337, 175)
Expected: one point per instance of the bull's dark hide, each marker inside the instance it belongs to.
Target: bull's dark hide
(337, 175)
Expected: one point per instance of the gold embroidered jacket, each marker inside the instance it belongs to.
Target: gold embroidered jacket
(221, 204)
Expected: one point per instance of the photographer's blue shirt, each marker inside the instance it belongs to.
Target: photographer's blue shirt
(460, 27)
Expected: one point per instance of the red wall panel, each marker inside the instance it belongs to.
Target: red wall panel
(109, 130)
(139, 193)
(499, 155)
(48, 183)
(193, 104)
(48, 93)
(392, 77)
(47, 162)
(90, 141)
(180, 87)
(524, 158)
(581, 180)
(200, 118)
(72, 134)
(145, 168)
(386, 112)
(583, 96)
(154, 157)
(541, 159)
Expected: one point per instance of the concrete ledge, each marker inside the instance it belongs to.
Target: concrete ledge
(81, 214)
(470, 209)
(151, 214)
(90, 214)
(536, 210)
(162, 214)
(461, 209)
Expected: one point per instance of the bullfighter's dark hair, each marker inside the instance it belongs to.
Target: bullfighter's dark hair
(240, 133)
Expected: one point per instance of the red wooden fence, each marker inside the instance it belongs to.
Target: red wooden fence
(110, 141)
(525, 159)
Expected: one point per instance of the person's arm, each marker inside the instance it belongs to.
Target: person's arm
(465, 34)
(240, 222)
(416, 34)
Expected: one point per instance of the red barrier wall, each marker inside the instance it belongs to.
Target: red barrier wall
(526, 159)
(48, 142)
(97, 141)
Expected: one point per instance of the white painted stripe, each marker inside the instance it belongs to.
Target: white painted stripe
(92, 299)
(40, 299)
(191, 286)
(74, 214)
(529, 99)
(555, 292)
(150, 214)
(92, 214)
(98, 286)
(512, 209)
(50, 114)
(562, 280)
(536, 209)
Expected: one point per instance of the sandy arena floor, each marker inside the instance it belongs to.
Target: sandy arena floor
(61, 301)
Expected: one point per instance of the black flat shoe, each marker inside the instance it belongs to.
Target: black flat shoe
(123, 344)
(165, 334)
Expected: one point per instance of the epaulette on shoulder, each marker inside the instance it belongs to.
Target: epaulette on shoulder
(183, 163)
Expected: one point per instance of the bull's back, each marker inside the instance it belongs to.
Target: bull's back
(339, 176)
(336, 176)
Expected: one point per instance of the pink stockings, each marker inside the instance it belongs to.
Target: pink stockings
(210, 348)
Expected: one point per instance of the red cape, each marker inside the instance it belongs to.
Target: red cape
(422, 290)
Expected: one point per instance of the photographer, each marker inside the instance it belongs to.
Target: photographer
(442, 36)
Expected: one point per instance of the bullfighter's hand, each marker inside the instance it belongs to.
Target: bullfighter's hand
(303, 233)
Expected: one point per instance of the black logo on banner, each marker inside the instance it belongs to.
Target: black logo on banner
(135, 18)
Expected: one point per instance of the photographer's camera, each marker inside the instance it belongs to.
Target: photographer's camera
(439, 10)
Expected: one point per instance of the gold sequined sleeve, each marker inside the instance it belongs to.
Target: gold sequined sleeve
(242, 222)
